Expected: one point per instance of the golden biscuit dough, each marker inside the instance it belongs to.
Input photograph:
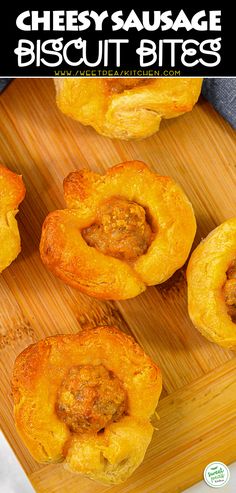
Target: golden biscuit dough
(12, 192)
(126, 108)
(121, 232)
(87, 399)
(211, 276)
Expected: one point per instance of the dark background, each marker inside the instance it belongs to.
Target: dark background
(10, 35)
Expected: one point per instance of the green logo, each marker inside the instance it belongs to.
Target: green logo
(216, 474)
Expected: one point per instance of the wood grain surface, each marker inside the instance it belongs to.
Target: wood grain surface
(198, 402)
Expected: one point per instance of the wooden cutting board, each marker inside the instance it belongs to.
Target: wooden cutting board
(198, 405)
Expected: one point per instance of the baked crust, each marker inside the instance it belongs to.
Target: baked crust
(12, 192)
(65, 252)
(206, 276)
(110, 456)
(130, 110)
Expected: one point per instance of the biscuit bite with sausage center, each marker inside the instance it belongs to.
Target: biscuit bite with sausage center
(129, 108)
(120, 233)
(86, 400)
(211, 276)
(12, 192)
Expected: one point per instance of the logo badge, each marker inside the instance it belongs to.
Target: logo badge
(216, 474)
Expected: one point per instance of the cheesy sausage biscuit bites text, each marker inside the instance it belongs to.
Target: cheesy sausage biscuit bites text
(86, 399)
(121, 232)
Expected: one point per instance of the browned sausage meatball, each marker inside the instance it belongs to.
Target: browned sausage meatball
(89, 398)
(121, 230)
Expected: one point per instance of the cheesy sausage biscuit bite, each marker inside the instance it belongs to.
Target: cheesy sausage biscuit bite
(126, 108)
(12, 192)
(120, 233)
(211, 277)
(87, 399)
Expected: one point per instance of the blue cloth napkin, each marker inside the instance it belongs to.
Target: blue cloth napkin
(4, 83)
(221, 93)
